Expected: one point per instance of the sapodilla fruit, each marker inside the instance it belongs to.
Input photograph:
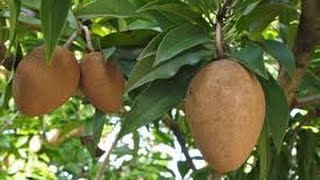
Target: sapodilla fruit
(102, 82)
(225, 109)
(39, 88)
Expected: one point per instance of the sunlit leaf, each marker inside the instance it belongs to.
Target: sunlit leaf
(260, 17)
(167, 69)
(252, 58)
(180, 39)
(281, 53)
(107, 8)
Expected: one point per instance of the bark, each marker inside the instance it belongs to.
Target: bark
(307, 38)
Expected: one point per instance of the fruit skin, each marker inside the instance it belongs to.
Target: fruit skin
(225, 109)
(39, 88)
(102, 83)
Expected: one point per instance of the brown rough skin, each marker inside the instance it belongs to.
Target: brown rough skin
(225, 109)
(39, 88)
(102, 83)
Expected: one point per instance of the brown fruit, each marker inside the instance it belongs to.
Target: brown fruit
(225, 108)
(39, 88)
(102, 82)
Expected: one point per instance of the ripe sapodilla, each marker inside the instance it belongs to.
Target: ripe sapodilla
(102, 82)
(225, 108)
(39, 88)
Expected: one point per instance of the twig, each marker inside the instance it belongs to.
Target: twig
(310, 100)
(177, 132)
(221, 15)
(7, 123)
(88, 37)
(71, 38)
(105, 159)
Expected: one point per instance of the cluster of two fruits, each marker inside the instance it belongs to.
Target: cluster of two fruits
(39, 88)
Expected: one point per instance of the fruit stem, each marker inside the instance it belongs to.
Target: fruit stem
(88, 37)
(221, 15)
(73, 36)
(219, 40)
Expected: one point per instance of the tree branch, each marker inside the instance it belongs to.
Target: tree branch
(307, 38)
(177, 132)
(105, 159)
(305, 101)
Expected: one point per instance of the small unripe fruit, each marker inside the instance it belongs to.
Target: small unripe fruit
(39, 88)
(225, 108)
(102, 82)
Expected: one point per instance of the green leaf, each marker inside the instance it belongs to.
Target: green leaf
(14, 8)
(152, 46)
(183, 167)
(129, 38)
(167, 69)
(72, 20)
(33, 4)
(154, 101)
(164, 21)
(126, 57)
(202, 173)
(281, 53)
(277, 110)
(252, 58)
(108, 8)
(93, 131)
(280, 163)
(310, 84)
(306, 155)
(136, 142)
(52, 23)
(144, 66)
(107, 53)
(259, 18)
(263, 149)
(178, 9)
(180, 39)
